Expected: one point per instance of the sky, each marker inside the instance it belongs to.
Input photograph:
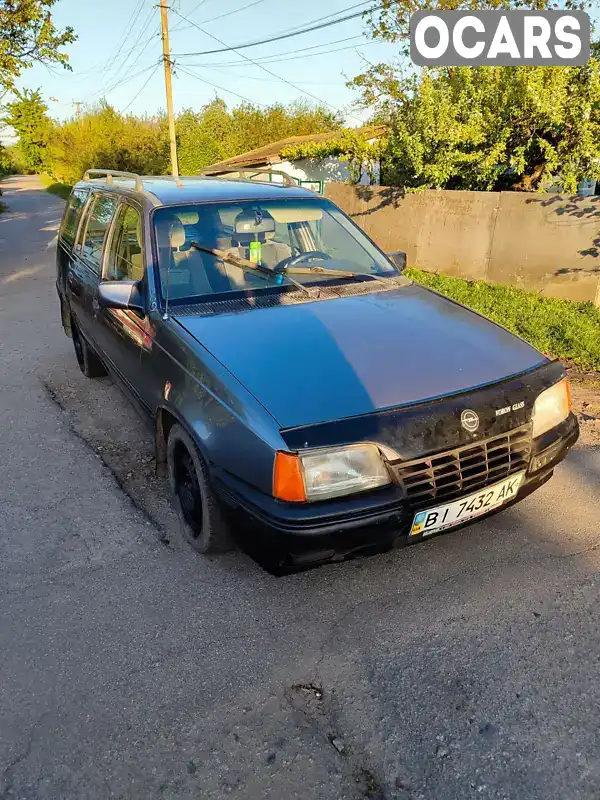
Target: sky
(317, 63)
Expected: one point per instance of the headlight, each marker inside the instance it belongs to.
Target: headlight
(551, 408)
(324, 474)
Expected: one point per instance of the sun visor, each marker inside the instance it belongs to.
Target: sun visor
(288, 213)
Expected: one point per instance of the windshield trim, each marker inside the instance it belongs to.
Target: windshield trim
(235, 294)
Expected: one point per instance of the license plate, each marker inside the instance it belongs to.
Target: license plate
(474, 505)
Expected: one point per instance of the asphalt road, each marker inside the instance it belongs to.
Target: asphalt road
(130, 667)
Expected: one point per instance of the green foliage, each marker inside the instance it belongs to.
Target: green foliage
(215, 133)
(62, 190)
(559, 328)
(103, 138)
(390, 18)
(348, 146)
(7, 166)
(28, 116)
(28, 35)
(483, 128)
(493, 128)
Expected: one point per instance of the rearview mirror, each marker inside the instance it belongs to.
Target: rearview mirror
(398, 259)
(121, 294)
(254, 222)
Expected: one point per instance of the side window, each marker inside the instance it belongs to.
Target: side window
(126, 258)
(97, 227)
(70, 221)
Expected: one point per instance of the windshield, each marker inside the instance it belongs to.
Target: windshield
(307, 237)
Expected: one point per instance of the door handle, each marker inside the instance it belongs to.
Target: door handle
(95, 305)
(75, 286)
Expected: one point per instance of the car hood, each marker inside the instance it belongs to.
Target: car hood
(327, 360)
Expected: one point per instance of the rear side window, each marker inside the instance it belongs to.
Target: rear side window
(126, 260)
(68, 228)
(97, 228)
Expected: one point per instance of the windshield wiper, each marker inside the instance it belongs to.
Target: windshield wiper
(334, 273)
(251, 266)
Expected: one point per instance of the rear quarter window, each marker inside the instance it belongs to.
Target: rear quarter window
(97, 227)
(72, 215)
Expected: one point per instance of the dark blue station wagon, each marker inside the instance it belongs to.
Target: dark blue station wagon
(305, 395)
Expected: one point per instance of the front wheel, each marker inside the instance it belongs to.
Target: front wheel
(88, 361)
(200, 517)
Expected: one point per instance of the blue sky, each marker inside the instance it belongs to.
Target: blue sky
(129, 81)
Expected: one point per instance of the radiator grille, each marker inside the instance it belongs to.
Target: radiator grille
(446, 476)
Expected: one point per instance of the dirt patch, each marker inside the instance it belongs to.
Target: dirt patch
(103, 418)
(586, 404)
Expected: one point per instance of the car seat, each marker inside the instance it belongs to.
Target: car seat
(180, 266)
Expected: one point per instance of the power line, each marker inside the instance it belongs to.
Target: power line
(282, 35)
(328, 16)
(86, 72)
(152, 74)
(274, 57)
(137, 10)
(123, 81)
(144, 28)
(220, 88)
(193, 11)
(266, 80)
(265, 69)
(221, 16)
(281, 60)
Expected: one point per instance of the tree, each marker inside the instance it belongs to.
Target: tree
(482, 127)
(215, 133)
(28, 116)
(492, 128)
(103, 138)
(28, 35)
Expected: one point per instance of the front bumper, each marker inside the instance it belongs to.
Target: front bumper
(287, 536)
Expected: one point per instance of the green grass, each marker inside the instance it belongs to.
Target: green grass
(53, 187)
(559, 328)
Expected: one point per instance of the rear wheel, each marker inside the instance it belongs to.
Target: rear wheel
(200, 517)
(88, 361)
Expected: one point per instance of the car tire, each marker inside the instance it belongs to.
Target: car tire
(88, 361)
(200, 517)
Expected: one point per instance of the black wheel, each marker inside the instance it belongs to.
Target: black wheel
(88, 361)
(200, 517)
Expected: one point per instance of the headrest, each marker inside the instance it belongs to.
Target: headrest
(176, 235)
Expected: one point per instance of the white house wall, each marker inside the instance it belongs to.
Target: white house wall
(326, 169)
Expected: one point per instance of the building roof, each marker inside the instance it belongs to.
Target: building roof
(166, 191)
(271, 153)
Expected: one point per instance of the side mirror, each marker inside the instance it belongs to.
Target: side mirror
(398, 259)
(121, 294)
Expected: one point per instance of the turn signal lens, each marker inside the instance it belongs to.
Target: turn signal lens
(288, 483)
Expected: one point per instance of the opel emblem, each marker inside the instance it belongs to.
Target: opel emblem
(469, 420)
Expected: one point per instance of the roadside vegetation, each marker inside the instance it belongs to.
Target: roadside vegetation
(53, 187)
(559, 328)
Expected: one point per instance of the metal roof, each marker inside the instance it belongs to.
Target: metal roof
(271, 153)
(168, 191)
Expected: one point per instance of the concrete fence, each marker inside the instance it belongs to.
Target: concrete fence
(546, 243)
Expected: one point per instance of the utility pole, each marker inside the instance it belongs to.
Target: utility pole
(77, 104)
(169, 85)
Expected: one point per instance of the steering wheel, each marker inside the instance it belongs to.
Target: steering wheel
(292, 261)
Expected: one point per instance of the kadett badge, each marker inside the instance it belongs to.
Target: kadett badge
(469, 420)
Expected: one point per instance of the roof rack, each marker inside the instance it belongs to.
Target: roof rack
(253, 172)
(109, 174)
